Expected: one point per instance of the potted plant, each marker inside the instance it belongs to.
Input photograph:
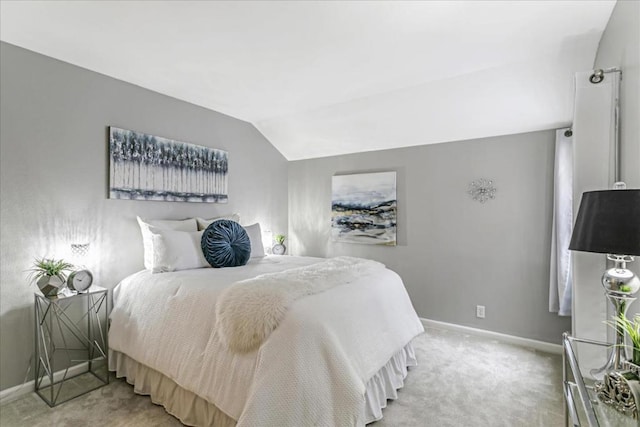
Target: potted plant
(632, 328)
(49, 274)
(279, 248)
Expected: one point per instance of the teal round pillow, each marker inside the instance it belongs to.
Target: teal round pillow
(225, 243)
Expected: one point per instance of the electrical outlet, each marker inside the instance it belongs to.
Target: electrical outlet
(480, 311)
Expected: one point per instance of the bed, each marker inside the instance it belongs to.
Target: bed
(334, 359)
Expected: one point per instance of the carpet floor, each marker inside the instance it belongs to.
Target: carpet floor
(461, 380)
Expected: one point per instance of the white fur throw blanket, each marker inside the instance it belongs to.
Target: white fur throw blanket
(248, 311)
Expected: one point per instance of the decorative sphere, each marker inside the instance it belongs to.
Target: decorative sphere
(620, 281)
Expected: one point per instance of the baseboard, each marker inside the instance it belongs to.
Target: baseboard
(511, 339)
(9, 394)
(13, 393)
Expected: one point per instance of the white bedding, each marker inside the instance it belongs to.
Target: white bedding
(311, 370)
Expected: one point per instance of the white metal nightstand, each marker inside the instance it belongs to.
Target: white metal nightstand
(71, 345)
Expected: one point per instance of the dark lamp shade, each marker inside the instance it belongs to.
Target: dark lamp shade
(608, 222)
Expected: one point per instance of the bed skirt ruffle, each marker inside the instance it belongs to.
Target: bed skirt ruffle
(192, 410)
(384, 385)
(188, 407)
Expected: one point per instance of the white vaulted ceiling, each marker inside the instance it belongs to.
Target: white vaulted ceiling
(327, 78)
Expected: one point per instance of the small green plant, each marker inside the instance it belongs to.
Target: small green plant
(279, 238)
(632, 329)
(49, 267)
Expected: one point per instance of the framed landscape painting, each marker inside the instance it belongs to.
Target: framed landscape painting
(363, 208)
(147, 167)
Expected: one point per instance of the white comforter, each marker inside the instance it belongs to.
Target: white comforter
(311, 370)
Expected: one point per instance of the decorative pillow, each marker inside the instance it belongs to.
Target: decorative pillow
(204, 223)
(176, 250)
(226, 244)
(255, 236)
(147, 240)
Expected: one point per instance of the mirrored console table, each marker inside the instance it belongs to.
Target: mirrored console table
(582, 406)
(71, 348)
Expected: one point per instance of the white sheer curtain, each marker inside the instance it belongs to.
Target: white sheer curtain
(560, 277)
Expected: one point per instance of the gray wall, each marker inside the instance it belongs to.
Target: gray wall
(54, 178)
(453, 253)
(620, 47)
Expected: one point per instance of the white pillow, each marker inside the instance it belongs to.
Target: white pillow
(176, 250)
(204, 223)
(147, 242)
(255, 236)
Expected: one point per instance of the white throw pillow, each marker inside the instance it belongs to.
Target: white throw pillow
(204, 223)
(255, 236)
(176, 250)
(147, 241)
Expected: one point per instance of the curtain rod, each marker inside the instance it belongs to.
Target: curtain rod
(598, 75)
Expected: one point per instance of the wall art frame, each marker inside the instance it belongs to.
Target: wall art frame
(364, 208)
(148, 167)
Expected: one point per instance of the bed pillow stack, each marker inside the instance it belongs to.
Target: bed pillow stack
(171, 245)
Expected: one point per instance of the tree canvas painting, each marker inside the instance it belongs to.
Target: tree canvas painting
(147, 167)
(363, 208)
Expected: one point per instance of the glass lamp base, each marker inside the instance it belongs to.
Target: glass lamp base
(614, 362)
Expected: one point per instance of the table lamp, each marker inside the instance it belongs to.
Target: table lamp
(608, 222)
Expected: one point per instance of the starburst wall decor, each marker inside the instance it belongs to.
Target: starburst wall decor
(482, 190)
